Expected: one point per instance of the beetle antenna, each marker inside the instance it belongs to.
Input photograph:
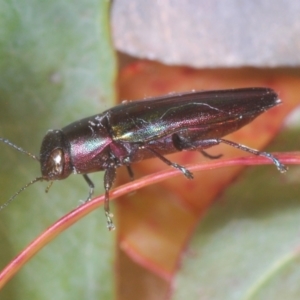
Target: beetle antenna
(9, 143)
(48, 187)
(19, 191)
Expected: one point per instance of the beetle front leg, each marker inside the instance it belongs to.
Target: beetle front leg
(91, 186)
(109, 177)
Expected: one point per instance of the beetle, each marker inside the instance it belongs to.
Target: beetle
(154, 127)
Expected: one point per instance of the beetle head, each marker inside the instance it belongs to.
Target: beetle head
(55, 156)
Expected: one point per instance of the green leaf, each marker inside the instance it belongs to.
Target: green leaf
(56, 66)
(247, 245)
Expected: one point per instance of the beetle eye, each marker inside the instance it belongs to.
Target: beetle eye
(56, 162)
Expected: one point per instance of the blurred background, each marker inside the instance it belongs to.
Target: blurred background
(232, 232)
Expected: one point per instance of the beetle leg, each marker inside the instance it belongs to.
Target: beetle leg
(130, 172)
(91, 186)
(207, 155)
(109, 177)
(185, 171)
(282, 168)
(182, 143)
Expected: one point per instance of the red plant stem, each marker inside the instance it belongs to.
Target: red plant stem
(69, 219)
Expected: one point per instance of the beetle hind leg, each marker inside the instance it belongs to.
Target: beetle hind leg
(282, 168)
(207, 155)
(182, 143)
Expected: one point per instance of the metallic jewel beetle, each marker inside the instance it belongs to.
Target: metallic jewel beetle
(134, 131)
